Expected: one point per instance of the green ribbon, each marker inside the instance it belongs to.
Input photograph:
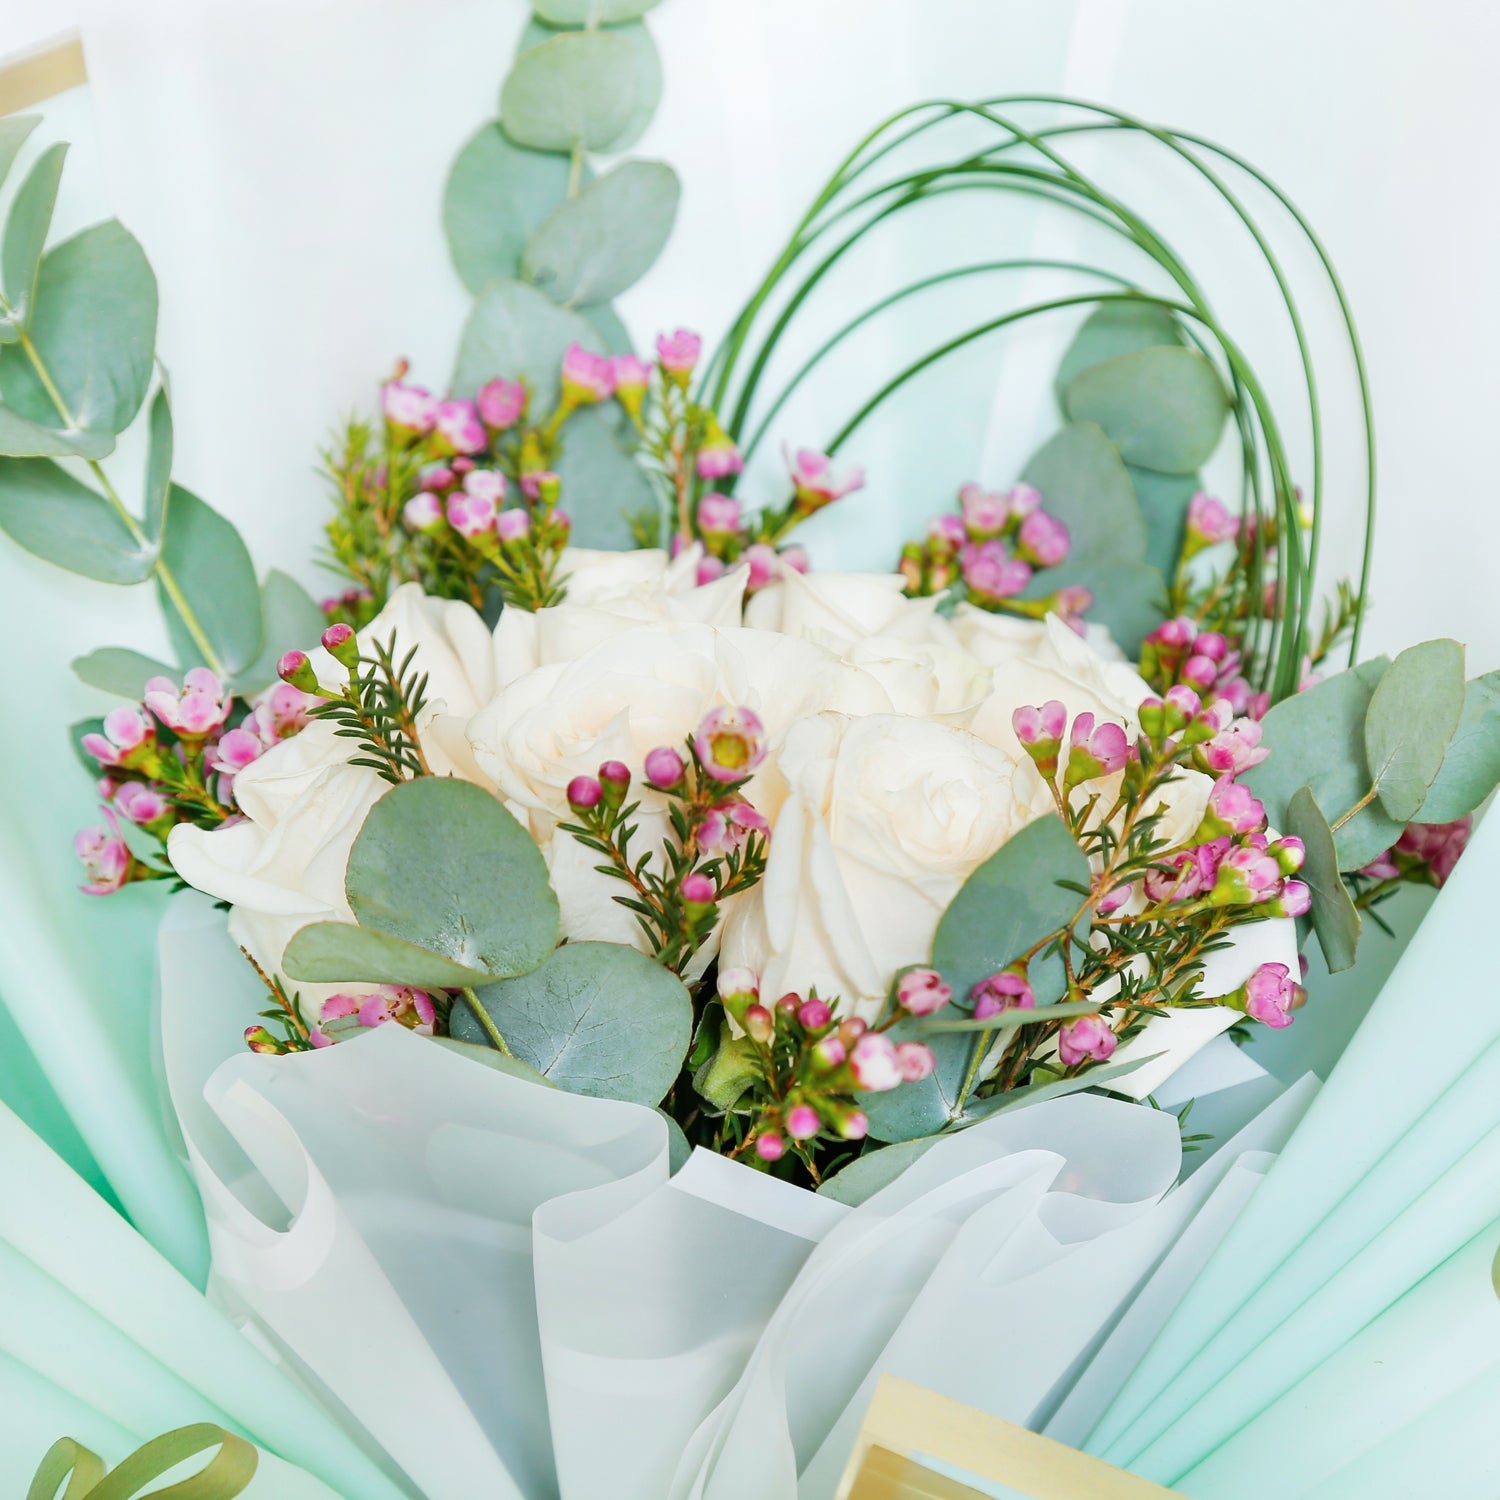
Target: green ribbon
(223, 1477)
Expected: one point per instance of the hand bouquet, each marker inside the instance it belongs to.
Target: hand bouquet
(662, 964)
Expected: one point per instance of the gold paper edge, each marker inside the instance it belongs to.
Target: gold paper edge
(41, 74)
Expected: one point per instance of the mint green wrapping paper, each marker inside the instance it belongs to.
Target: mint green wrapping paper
(1394, 1168)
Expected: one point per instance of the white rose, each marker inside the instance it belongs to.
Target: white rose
(885, 818)
(636, 690)
(303, 803)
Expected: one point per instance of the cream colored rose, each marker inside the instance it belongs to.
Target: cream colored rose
(884, 819)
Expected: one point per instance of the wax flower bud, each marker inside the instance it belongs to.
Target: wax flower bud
(991, 573)
(718, 516)
(764, 565)
(946, 535)
(340, 643)
(730, 743)
(1268, 996)
(1289, 853)
(814, 1015)
(1042, 540)
(759, 1024)
(1040, 731)
(1293, 900)
(802, 1122)
(295, 668)
(614, 776)
(854, 1126)
(512, 526)
(986, 513)
(922, 991)
(665, 768)
(258, 1039)
(587, 378)
(718, 457)
(915, 1060)
(459, 429)
(829, 1053)
(814, 483)
(1233, 810)
(769, 1146)
(677, 353)
(423, 513)
(873, 1062)
(585, 793)
(632, 381)
(1245, 875)
(1007, 990)
(107, 861)
(738, 987)
(1023, 499)
(128, 738)
(698, 890)
(1208, 523)
(1089, 1038)
(195, 711)
(471, 516)
(501, 403)
(407, 409)
(1094, 751)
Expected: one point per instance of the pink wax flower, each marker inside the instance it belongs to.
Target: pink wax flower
(1040, 731)
(698, 889)
(709, 570)
(1023, 499)
(814, 1015)
(986, 513)
(1437, 845)
(513, 525)
(1209, 522)
(281, 711)
(195, 710)
(471, 516)
(1186, 873)
(1095, 750)
(1246, 874)
(855, 1126)
(664, 767)
(408, 408)
(730, 743)
(718, 457)
(141, 803)
(407, 1007)
(501, 403)
(991, 573)
(1234, 749)
(1212, 644)
(738, 984)
(107, 863)
(796, 558)
(423, 513)
(1232, 809)
(1293, 900)
(632, 381)
(1289, 853)
(922, 991)
(586, 377)
(915, 1060)
(485, 484)
(585, 792)
(1007, 990)
(1087, 1038)
(678, 353)
(1070, 604)
(459, 427)
(947, 533)
(814, 483)
(874, 1063)
(128, 736)
(232, 752)
(1269, 994)
(728, 825)
(718, 515)
(802, 1122)
(1043, 540)
(769, 1146)
(295, 668)
(764, 565)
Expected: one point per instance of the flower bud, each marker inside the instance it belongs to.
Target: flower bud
(854, 1126)
(632, 380)
(1043, 540)
(677, 354)
(873, 1062)
(615, 776)
(814, 1015)
(459, 429)
(851, 1028)
(991, 574)
(986, 513)
(915, 1060)
(340, 644)
(1289, 853)
(584, 793)
(828, 1054)
(513, 525)
(802, 1122)
(1267, 995)
(1089, 1037)
(1208, 522)
(1293, 900)
(258, 1039)
(698, 890)
(922, 991)
(718, 457)
(587, 377)
(501, 403)
(1094, 751)
(1040, 731)
(1007, 990)
(665, 768)
(946, 535)
(769, 1146)
(738, 987)
(718, 516)
(407, 409)
(295, 668)
(759, 1023)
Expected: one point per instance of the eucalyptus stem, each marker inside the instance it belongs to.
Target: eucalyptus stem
(483, 1017)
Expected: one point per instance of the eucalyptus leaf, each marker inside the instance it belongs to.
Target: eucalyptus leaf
(48, 512)
(1127, 597)
(159, 464)
(490, 1058)
(1471, 767)
(1317, 739)
(516, 331)
(1085, 485)
(1115, 328)
(340, 953)
(575, 89)
(602, 484)
(114, 669)
(597, 1018)
(1334, 916)
(678, 1147)
(441, 864)
(1011, 1020)
(211, 571)
(591, 12)
(291, 618)
(868, 1173)
(647, 71)
(26, 234)
(23, 438)
(94, 329)
(1162, 408)
(1413, 714)
(607, 324)
(595, 245)
(76, 733)
(1164, 499)
(498, 194)
(14, 130)
(1056, 1088)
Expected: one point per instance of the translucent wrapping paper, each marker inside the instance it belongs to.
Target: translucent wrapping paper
(565, 1317)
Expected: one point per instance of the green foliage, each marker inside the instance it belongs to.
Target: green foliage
(1334, 917)
(159, 464)
(338, 953)
(577, 89)
(602, 481)
(1084, 483)
(1163, 408)
(50, 513)
(117, 670)
(26, 237)
(1163, 499)
(1113, 329)
(519, 331)
(591, 12)
(1413, 713)
(597, 1019)
(1471, 766)
(866, 1175)
(595, 245)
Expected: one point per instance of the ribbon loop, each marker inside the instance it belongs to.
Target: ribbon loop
(223, 1477)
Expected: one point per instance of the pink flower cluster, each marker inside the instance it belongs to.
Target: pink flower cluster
(1177, 651)
(343, 1015)
(1095, 749)
(994, 546)
(1426, 853)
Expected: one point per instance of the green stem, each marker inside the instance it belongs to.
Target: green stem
(483, 1017)
(1358, 808)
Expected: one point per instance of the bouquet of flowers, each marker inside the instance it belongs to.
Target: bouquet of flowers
(620, 906)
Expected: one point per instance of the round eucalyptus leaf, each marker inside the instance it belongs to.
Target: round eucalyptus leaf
(94, 329)
(602, 484)
(48, 512)
(117, 670)
(341, 953)
(488, 1057)
(1471, 766)
(211, 568)
(441, 864)
(1334, 917)
(1128, 597)
(1115, 328)
(26, 232)
(591, 12)
(597, 1018)
(647, 68)
(1162, 408)
(1084, 484)
(575, 89)
(1163, 501)
(14, 129)
(1413, 713)
(611, 330)
(514, 330)
(595, 245)
(498, 193)
(23, 438)
(159, 464)
(873, 1170)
